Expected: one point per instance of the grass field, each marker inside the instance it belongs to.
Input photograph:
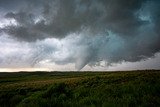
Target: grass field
(80, 89)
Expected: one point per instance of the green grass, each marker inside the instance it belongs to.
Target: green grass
(80, 89)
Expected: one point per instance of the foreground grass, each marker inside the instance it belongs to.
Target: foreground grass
(80, 89)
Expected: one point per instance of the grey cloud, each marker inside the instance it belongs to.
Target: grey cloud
(61, 17)
(110, 30)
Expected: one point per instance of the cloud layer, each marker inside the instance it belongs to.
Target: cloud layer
(87, 31)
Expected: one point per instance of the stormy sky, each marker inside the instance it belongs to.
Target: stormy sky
(80, 34)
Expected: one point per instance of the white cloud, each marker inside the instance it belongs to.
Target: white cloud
(7, 22)
(57, 54)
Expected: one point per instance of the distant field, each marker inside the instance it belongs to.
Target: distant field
(80, 89)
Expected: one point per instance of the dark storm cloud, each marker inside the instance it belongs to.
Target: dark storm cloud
(111, 30)
(61, 17)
